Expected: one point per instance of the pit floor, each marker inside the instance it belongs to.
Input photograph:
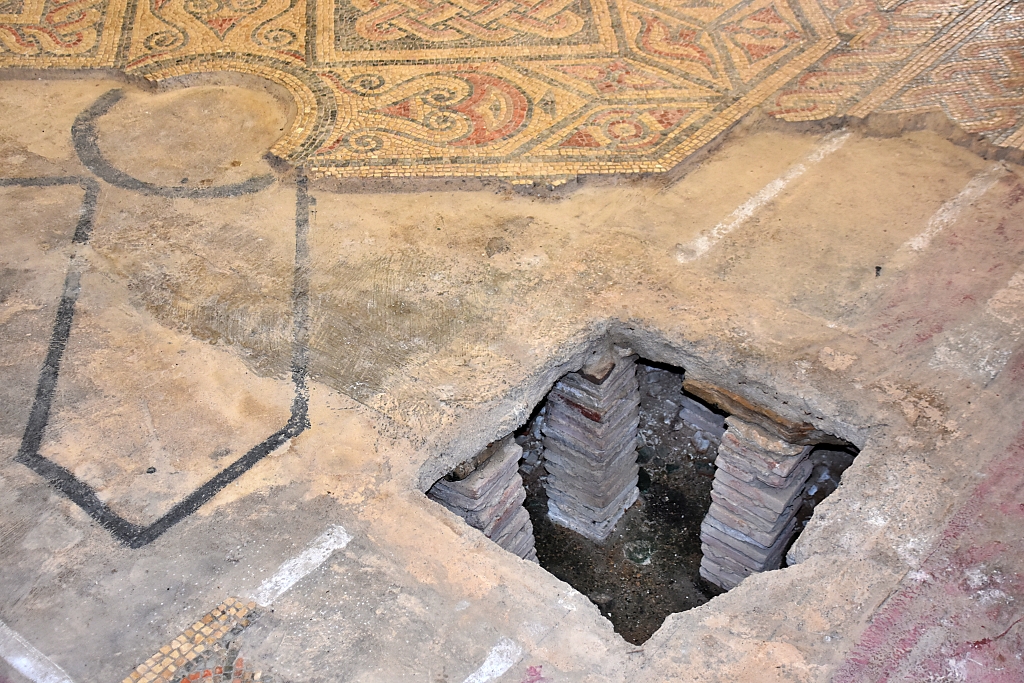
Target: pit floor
(228, 378)
(648, 568)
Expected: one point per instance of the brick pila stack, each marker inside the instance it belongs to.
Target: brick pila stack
(488, 493)
(590, 449)
(755, 498)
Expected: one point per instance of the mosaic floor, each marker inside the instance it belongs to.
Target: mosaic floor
(526, 89)
(208, 371)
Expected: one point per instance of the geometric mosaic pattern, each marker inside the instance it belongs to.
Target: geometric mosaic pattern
(962, 58)
(980, 83)
(524, 89)
(590, 87)
(207, 651)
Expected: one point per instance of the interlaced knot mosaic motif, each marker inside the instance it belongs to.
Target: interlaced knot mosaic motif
(527, 89)
(592, 88)
(444, 22)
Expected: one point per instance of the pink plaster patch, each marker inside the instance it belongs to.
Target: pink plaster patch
(960, 616)
(534, 675)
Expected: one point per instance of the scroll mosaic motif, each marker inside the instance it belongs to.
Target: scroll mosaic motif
(527, 89)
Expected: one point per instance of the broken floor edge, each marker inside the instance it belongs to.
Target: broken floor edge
(506, 414)
(875, 124)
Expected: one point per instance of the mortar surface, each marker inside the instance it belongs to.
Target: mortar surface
(225, 381)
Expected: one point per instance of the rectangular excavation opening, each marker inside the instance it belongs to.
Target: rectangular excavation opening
(640, 494)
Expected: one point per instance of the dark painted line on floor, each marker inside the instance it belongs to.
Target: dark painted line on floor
(300, 302)
(299, 420)
(28, 453)
(87, 214)
(204, 493)
(62, 479)
(85, 138)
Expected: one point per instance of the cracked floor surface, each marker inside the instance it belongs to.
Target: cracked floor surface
(226, 386)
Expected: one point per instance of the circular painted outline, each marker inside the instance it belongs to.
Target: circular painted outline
(85, 139)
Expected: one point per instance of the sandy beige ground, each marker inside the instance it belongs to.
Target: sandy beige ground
(438, 317)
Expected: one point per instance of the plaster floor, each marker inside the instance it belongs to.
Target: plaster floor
(259, 374)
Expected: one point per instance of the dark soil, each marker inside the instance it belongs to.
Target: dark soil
(648, 568)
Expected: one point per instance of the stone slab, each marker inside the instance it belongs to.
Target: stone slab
(560, 416)
(740, 504)
(576, 474)
(578, 464)
(697, 422)
(514, 523)
(741, 468)
(597, 500)
(587, 448)
(479, 489)
(501, 514)
(740, 567)
(570, 504)
(720, 576)
(626, 393)
(762, 461)
(761, 440)
(575, 385)
(710, 422)
(714, 533)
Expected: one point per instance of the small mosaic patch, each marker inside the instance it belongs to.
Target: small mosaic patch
(223, 667)
(206, 650)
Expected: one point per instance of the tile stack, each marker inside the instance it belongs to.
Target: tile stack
(488, 493)
(755, 497)
(709, 427)
(590, 447)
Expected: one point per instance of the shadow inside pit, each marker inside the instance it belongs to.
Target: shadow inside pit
(650, 560)
(649, 567)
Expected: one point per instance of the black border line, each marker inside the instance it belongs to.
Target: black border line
(85, 139)
(319, 129)
(128, 533)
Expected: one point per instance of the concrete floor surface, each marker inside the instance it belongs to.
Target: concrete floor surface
(259, 374)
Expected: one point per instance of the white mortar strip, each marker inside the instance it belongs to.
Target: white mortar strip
(950, 211)
(28, 661)
(703, 243)
(502, 657)
(297, 568)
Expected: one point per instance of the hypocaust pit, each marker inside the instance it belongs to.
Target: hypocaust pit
(647, 498)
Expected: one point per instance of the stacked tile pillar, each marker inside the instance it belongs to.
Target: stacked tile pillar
(590, 445)
(490, 495)
(755, 497)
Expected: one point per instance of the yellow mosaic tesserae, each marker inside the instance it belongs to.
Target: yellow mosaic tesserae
(547, 88)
